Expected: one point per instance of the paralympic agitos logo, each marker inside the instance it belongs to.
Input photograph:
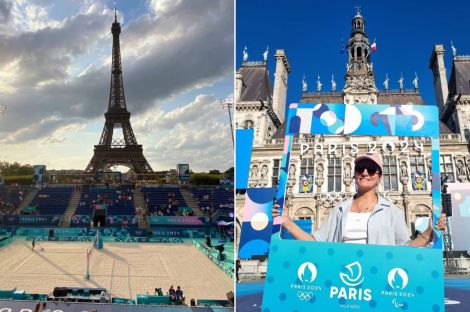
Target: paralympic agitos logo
(353, 278)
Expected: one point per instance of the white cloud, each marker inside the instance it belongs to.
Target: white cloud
(61, 68)
(197, 133)
(204, 106)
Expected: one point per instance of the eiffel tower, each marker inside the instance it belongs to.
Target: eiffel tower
(119, 151)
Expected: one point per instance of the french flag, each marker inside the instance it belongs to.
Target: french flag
(374, 47)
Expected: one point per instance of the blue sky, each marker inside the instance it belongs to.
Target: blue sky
(310, 32)
(55, 68)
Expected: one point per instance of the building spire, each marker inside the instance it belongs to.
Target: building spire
(115, 15)
(358, 10)
(117, 99)
(360, 80)
(359, 45)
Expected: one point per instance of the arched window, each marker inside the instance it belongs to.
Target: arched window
(269, 132)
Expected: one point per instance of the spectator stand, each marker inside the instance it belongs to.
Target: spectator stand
(11, 198)
(163, 201)
(215, 202)
(108, 206)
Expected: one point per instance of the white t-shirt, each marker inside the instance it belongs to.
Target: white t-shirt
(356, 228)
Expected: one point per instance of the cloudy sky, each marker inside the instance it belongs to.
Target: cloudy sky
(55, 68)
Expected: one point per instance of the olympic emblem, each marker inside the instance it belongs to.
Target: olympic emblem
(304, 295)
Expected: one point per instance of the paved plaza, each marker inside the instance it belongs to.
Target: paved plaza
(124, 269)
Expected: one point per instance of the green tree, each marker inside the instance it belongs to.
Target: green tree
(230, 172)
(15, 169)
(205, 179)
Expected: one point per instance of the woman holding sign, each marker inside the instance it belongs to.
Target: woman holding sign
(366, 218)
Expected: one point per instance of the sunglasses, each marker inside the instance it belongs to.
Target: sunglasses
(371, 169)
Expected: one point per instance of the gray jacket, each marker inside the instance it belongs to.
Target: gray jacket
(386, 224)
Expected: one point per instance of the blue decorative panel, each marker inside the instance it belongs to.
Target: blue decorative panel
(257, 223)
(243, 156)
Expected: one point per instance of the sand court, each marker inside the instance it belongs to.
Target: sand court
(124, 269)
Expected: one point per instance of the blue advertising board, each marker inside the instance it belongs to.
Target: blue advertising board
(31, 220)
(309, 275)
(183, 173)
(177, 220)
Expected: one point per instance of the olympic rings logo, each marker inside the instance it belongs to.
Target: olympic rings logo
(303, 295)
(332, 196)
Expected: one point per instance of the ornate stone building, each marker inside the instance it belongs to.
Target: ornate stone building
(328, 162)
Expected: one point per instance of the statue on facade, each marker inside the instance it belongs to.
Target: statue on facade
(333, 83)
(403, 170)
(386, 82)
(254, 173)
(264, 172)
(265, 54)
(400, 82)
(245, 54)
(460, 168)
(304, 85)
(430, 170)
(319, 84)
(319, 171)
(292, 172)
(347, 171)
(454, 50)
(415, 81)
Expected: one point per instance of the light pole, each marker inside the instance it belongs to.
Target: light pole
(228, 104)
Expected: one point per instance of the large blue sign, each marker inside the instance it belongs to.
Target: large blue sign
(309, 275)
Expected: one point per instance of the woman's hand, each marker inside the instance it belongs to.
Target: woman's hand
(426, 237)
(290, 225)
(441, 223)
(276, 211)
